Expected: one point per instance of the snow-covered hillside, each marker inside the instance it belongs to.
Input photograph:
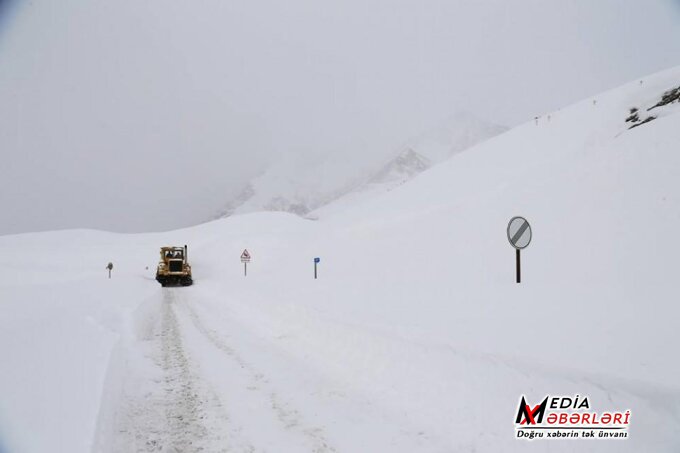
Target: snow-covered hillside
(414, 338)
(140, 107)
(299, 185)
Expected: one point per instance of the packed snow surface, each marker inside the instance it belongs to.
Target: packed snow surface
(414, 338)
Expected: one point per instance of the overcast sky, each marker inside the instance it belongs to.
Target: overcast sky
(144, 115)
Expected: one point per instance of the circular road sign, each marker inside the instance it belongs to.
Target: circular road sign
(519, 232)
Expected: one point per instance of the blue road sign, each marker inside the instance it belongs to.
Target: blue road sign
(316, 260)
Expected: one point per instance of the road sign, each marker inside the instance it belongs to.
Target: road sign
(519, 235)
(245, 256)
(317, 260)
(245, 259)
(519, 232)
(110, 268)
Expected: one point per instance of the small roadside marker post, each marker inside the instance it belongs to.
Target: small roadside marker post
(316, 261)
(110, 268)
(245, 259)
(519, 235)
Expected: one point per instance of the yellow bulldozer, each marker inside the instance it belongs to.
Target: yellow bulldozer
(173, 268)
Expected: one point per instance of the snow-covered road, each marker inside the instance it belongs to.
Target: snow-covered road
(165, 405)
(169, 402)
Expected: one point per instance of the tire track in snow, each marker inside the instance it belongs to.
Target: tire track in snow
(165, 407)
(288, 417)
(187, 398)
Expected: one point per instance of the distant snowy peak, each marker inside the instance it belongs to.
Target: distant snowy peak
(296, 189)
(256, 197)
(458, 133)
(299, 187)
(403, 167)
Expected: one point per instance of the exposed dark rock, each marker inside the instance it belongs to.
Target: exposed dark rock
(667, 98)
(646, 120)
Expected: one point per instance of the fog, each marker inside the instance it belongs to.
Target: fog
(139, 116)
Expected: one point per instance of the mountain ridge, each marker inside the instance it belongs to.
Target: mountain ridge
(281, 189)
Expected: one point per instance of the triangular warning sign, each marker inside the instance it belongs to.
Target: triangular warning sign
(245, 255)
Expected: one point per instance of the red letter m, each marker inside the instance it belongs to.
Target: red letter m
(526, 414)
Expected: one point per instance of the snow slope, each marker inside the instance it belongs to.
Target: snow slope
(415, 336)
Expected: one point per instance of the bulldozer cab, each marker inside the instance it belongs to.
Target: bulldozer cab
(168, 253)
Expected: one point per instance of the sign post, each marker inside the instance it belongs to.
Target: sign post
(110, 268)
(519, 235)
(316, 261)
(245, 259)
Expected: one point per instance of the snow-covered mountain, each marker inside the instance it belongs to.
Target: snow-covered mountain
(415, 336)
(101, 105)
(299, 187)
(403, 167)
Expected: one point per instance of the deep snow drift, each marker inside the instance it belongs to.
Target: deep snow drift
(415, 336)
